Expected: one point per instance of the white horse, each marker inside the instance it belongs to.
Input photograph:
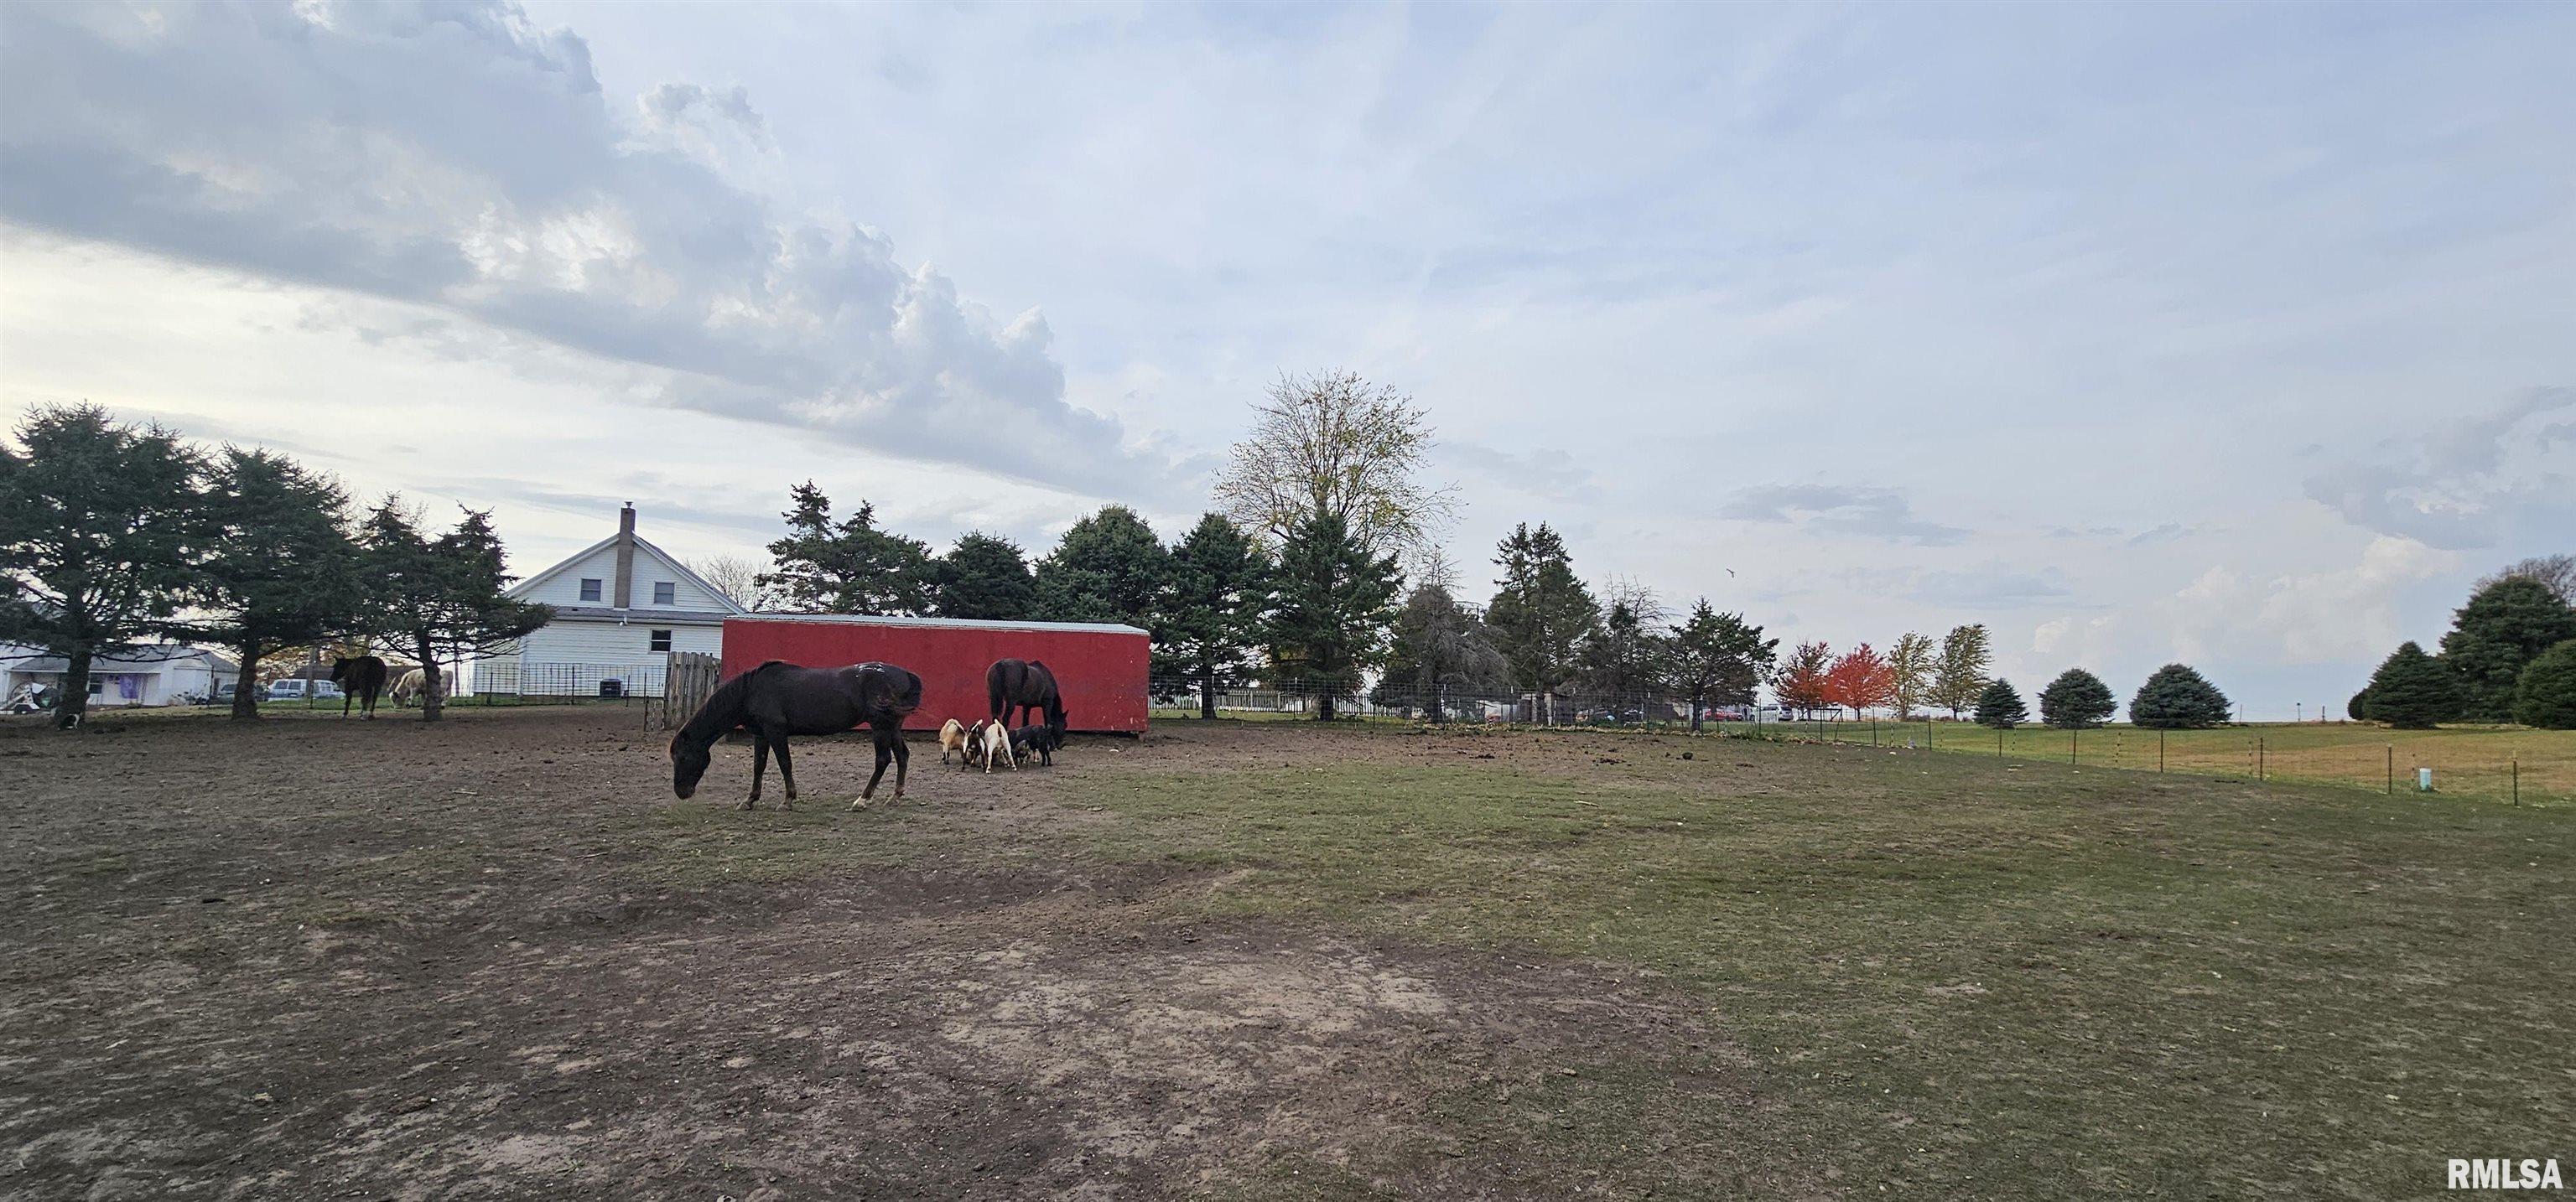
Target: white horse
(413, 684)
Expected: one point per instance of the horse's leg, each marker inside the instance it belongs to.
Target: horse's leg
(884, 756)
(759, 767)
(902, 761)
(786, 772)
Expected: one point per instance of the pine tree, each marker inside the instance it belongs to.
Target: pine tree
(1541, 610)
(1108, 568)
(280, 569)
(1335, 603)
(2503, 627)
(2178, 698)
(1999, 706)
(2413, 691)
(847, 567)
(1213, 608)
(101, 531)
(1966, 653)
(1718, 659)
(2546, 695)
(985, 576)
(441, 598)
(2076, 700)
(1623, 656)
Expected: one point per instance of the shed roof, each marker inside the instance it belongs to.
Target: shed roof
(939, 623)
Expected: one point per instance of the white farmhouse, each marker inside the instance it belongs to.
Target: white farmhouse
(621, 606)
(141, 674)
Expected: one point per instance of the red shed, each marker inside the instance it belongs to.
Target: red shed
(1100, 668)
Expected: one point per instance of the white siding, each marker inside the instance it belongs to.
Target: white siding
(582, 641)
(564, 587)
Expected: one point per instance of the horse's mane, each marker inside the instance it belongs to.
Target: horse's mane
(723, 707)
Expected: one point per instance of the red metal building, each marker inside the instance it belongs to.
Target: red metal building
(1100, 668)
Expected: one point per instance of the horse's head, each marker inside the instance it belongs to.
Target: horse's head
(339, 669)
(687, 765)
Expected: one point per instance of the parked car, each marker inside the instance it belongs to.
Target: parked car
(299, 689)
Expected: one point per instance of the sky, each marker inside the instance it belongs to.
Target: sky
(2237, 335)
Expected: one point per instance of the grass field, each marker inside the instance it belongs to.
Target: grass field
(2467, 761)
(493, 958)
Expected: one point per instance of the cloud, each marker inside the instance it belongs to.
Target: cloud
(2476, 482)
(457, 156)
(1834, 509)
(2351, 614)
(1548, 472)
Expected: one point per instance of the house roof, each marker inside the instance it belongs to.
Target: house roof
(642, 544)
(951, 623)
(120, 659)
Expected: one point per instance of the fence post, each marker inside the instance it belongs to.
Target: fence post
(2392, 770)
(2070, 744)
(2517, 781)
(1999, 742)
(1873, 732)
(2160, 751)
(2258, 759)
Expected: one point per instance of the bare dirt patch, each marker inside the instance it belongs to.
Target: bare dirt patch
(494, 958)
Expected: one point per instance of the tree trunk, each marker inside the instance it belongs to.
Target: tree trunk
(74, 704)
(433, 683)
(246, 683)
(1324, 704)
(1207, 691)
(1694, 715)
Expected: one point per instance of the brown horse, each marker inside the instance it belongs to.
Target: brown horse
(778, 699)
(360, 680)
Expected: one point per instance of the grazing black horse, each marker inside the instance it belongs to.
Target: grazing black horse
(1025, 686)
(360, 680)
(779, 699)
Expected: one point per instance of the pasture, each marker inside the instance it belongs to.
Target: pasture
(492, 957)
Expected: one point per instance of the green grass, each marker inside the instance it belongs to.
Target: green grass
(2476, 762)
(1958, 978)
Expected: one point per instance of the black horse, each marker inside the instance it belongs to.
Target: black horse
(779, 699)
(1025, 686)
(360, 680)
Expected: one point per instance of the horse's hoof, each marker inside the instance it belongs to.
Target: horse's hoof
(744, 806)
(860, 804)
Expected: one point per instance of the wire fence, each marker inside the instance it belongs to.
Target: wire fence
(2513, 765)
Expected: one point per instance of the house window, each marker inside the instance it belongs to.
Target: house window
(589, 589)
(665, 593)
(661, 640)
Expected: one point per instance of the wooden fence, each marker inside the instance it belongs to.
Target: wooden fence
(687, 682)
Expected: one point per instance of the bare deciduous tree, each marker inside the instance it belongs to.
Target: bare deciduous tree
(2556, 572)
(736, 577)
(1335, 445)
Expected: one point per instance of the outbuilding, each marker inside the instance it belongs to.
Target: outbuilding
(1100, 668)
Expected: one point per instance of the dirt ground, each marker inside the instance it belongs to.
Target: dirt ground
(494, 958)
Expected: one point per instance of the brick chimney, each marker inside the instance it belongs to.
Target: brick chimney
(626, 556)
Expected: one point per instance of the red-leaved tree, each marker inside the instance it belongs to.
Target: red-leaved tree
(1860, 679)
(1801, 683)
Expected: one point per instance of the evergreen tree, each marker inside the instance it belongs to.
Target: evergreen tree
(1335, 603)
(100, 537)
(984, 576)
(2178, 698)
(1540, 609)
(2546, 695)
(2503, 627)
(1212, 612)
(1960, 677)
(847, 567)
(2358, 709)
(441, 598)
(2413, 691)
(1717, 659)
(280, 569)
(2076, 700)
(1999, 706)
(1440, 646)
(1624, 655)
(1108, 568)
